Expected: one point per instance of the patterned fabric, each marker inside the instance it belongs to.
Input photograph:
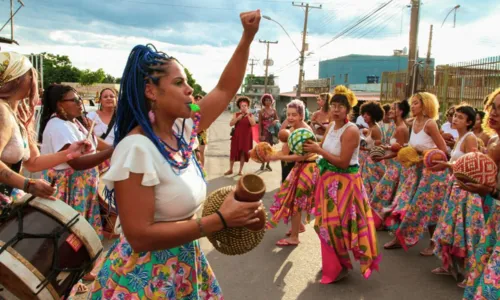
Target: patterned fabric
(484, 276)
(477, 166)
(297, 139)
(409, 179)
(203, 138)
(296, 194)
(424, 208)
(178, 273)
(371, 173)
(460, 226)
(385, 191)
(13, 65)
(78, 189)
(344, 220)
(267, 121)
(387, 134)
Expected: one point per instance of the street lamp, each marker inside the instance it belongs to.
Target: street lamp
(454, 17)
(269, 18)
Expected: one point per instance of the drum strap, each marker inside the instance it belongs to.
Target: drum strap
(75, 273)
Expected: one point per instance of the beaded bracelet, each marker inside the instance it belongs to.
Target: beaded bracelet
(200, 226)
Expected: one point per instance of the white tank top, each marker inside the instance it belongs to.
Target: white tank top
(332, 142)
(421, 141)
(457, 152)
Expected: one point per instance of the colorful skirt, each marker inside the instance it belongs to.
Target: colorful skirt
(78, 189)
(178, 273)
(344, 220)
(296, 194)
(484, 276)
(385, 191)
(460, 227)
(409, 179)
(424, 208)
(371, 173)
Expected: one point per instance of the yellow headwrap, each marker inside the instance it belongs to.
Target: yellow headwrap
(343, 90)
(12, 66)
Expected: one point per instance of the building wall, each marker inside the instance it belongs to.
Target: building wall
(353, 69)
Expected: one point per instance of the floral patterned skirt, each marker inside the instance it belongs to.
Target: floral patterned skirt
(460, 227)
(408, 179)
(484, 276)
(78, 189)
(178, 273)
(296, 193)
(385, 191)
(344, 220)
(371, 173)
(424, 208)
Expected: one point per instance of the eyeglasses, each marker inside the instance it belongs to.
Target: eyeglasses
(77, 100)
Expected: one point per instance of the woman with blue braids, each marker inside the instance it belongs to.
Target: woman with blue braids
(158, 183)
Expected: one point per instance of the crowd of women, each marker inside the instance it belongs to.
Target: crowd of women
(351, 193)
(147, 146)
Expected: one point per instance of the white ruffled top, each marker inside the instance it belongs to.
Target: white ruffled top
(177, 196)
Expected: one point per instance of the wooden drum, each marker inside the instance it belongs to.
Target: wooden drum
(108, 211)
(45, 248)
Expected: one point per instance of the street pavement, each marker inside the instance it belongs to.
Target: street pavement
(270, 273)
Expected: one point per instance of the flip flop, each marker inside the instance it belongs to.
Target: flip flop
(392, 245)
(285, 243)
(427, 252)
(462, 284)
(228, 173)
(440, 271)
(81, 288)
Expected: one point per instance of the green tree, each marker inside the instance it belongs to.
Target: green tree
(57, 69)
(197, 89)
(109, 79)
(118, 80)
(88, 77)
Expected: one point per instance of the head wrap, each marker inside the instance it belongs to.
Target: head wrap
(12, 66)
(343, 90)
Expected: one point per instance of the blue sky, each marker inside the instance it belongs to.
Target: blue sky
(203, 34)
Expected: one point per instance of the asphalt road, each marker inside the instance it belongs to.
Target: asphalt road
(271, 272)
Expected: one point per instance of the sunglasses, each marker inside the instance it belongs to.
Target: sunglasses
(77, 100)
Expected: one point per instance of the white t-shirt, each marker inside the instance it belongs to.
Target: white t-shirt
(360, 121)
(446, 128)
(177, 195)
(101, 128)
(59, 133)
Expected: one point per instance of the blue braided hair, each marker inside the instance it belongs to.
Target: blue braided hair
(145, 64)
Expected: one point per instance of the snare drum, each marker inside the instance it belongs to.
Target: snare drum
(45, 248)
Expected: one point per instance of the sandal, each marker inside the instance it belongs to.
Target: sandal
(427, 252)
(81, 288)
(462, 284)
(440, 271)
(230, 172)
(394, 244)
(285, 243)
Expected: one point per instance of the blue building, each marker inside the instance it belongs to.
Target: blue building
(359, 69)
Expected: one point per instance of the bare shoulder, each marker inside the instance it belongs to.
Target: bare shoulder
(351, 131)
(5, 116)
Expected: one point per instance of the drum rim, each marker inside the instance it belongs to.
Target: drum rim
(64, 213)
(27, 274)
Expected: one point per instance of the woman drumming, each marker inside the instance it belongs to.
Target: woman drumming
(461, 220)
(296, 194)
(422, 212)
(484, 275)
(320, 119)
(241, 141)
(159, 186)
(372, 171)
(18, 95)
(344, 220)
(268, 117)
(385, 191)
(104, 117)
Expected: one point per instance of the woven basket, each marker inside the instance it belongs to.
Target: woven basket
(298, 138)
(376, 151)
(230, 241)
(476, 167)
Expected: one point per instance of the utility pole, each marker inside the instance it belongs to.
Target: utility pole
(267, 63)
(428, 60)
(412, 54)
(252, 63)
(304, 34)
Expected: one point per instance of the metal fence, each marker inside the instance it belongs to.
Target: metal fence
(468, 82)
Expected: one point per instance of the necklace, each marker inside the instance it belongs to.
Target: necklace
(185, 149)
